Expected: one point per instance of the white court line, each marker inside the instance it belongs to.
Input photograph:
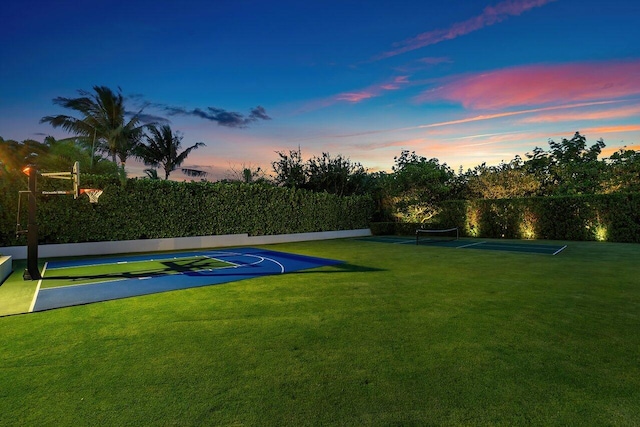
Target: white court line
(404, 242)
(560, 250)
(233, 264)
(520, 245)
(260, 259)
(218, 253)
(470, 244)
(274, 261)
(88, 283)
(35, 295)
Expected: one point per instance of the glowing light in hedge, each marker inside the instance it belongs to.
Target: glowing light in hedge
(601, 233)
(473, 222)
(527, 231)
(528, 226)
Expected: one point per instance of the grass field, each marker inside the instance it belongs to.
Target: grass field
(398, 335)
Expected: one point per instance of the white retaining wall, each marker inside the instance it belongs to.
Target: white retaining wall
(6, 267)
(175, 244)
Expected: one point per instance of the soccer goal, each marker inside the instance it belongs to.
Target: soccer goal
(424, 235)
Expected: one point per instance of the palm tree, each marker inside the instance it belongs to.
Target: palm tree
(63, 153)
(151, 173)
(15, 155)
(103, 125)
(161, 149)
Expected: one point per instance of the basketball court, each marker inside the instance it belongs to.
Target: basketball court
(84, 281)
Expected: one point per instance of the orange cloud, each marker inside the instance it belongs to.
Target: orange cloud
(612, 129)
(608, 151)
(615, 113)
(490, 15)
(541, 85)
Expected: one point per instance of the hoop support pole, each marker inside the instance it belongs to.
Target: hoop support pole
(32, 272)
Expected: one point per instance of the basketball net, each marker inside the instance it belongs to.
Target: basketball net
(94, 194)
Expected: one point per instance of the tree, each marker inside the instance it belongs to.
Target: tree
(162, 149)
(413, 172)
(335, 175)
(417, 186)
(538, 165)
(16, 155)
(51, 156)
(623, 172)
(507, 180)
(103, 125)
(151, 173)
(62, 154)
(290, 169)
(569, 167)
(247, 174)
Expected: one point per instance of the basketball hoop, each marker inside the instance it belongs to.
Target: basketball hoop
(93, 194)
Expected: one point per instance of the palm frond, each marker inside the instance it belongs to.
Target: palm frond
(195, 173)
(183, 156)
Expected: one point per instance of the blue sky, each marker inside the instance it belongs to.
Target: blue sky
(466, 82)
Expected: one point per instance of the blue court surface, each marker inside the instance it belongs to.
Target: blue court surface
(243, 263)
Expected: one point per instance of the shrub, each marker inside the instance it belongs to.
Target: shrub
(144, 209)
(611, 217)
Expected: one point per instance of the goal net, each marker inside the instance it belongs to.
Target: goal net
(424, 235)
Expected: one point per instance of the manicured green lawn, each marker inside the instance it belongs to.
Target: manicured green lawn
(15, 293)
(399, 335)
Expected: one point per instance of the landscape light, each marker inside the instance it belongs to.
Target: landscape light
(601, 233)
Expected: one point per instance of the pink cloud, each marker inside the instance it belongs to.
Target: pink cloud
(357, 96)
(354, 97)
(395, 84)
(436, 60)
(541, 85)
(490, 15)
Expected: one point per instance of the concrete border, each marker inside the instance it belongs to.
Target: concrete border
(6, 267)
(175, 244)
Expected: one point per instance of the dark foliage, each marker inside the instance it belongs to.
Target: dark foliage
(146, 208)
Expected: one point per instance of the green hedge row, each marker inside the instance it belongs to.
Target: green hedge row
(398, 228)
(606, 217)
(145, 209)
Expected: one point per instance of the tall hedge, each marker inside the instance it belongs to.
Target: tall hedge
(610, 217)
(145, 209)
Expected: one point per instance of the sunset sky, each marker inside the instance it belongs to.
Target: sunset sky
(463, 81)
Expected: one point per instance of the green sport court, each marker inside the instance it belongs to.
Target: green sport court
(469, 243)
(67, 283)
